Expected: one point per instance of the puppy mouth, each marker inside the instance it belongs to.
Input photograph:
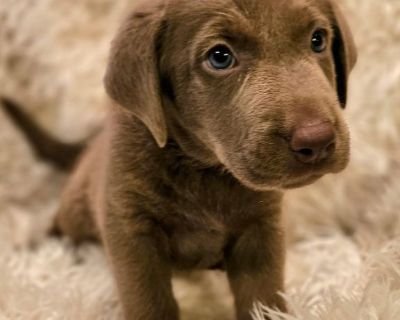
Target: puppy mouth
(277, 172)
(297, 183)
(291, 178)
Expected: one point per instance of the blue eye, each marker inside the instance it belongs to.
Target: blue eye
(319, 41)
(221, 57)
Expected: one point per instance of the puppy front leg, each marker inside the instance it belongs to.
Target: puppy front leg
(255, 269)
(141, 269)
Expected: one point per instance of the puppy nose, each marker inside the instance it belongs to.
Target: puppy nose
(313, 143)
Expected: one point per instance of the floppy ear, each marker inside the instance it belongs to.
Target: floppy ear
(344, 51)
(132, 78)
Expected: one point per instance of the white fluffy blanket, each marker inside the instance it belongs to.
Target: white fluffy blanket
(343, 232)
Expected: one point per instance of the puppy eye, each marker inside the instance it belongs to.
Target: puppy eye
(221, 58)
(319, 41)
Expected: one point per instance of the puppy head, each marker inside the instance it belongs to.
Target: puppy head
(255, 85)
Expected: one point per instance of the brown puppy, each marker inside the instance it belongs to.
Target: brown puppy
(219, 106)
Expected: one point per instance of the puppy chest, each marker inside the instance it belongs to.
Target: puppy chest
(199, 248)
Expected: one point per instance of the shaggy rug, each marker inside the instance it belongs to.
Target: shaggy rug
(343, 232)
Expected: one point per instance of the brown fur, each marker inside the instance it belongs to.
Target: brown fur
(64, 155)
(189, 170)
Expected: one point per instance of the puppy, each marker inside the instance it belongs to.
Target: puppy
(218, 106)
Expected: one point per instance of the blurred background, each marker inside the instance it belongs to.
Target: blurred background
(343, 232)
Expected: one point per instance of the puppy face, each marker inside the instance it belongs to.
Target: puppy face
(255, 85)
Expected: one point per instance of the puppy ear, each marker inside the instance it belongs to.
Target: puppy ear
(132, 77)
(344, 51)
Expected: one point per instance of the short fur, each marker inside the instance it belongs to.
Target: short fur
(189, 170)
